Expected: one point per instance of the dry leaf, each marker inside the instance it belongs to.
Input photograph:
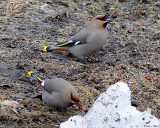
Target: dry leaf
(10, 103)
(148, 77)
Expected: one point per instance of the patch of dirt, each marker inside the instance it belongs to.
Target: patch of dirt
(132, 55)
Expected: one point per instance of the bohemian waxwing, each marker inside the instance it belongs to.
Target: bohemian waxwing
(88, 40)
(58, 92)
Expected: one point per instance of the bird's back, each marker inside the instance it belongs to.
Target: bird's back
(57, 84)
(58, 92)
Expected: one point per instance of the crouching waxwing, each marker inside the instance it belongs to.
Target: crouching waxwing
(58, 92)
(88, 40)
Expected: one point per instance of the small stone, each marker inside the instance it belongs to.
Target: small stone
(3, 29)
(5, 86)
(158, 4)
(158, 86)
(87, 3)
(90, 60)
(123, 26)
(134, 103)
(49, 2)
(11, 46)
(130, 31)
(42, 70)
(122, 66)
(99, 87)
(20, 66)
(90, 78)
(58, 17)
(26, 65)
(145, 1)
(121, 0)
(42, 58)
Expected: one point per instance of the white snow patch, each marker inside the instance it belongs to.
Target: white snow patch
(113, 109)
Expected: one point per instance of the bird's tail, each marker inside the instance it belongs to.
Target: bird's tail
(52, 47)
(36, 76)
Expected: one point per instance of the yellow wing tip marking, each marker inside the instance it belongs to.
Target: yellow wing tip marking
(39, 79)
(64, 44)
(29, 73)
(44, 48)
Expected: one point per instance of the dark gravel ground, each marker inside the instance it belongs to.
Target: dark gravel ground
(131, 55)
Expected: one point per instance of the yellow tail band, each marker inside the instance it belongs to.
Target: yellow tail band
(29, 73)
(44, 48)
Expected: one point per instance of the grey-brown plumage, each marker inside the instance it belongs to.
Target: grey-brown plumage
(57, 92)
(88, 40)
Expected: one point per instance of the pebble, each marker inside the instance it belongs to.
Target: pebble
(122, 66)
(42, 70)
(134, 103)
(19, 66)
(121, 0)
(158, 86)
(90, 78)
(11, 46)
(123, 26)
(158, 4)
(130, 31)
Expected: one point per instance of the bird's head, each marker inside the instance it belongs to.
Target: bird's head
(76, 101)
(102, 20)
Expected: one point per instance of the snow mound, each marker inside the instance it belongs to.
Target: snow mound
(113, 109)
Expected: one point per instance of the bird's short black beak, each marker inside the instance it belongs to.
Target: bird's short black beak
(107, 15)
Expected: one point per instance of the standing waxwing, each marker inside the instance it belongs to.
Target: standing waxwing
(88, 40)
(58, 92)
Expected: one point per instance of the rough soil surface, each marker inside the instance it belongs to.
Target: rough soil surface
(132, 55)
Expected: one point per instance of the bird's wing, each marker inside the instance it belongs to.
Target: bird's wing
(70, 43)
(77, 39)
(82, 35)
